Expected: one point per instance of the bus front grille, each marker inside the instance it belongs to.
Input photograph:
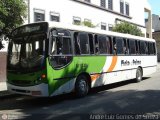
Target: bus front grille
(22, 82)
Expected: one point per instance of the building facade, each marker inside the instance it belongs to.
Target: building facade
(156, 31)
(103, 14)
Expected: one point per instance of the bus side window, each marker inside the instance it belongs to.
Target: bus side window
(77, 44)
(82, 43)
(91, 44)
(150, 47)
(154, 48)
(146, 48)
(96, 45)
(108, 45)
(104, 44)
(125, 47)
(137, 47)
(142, 48)
(114, 46)
(132, 46)
(119, 45)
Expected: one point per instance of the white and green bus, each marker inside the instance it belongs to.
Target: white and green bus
(52, 59)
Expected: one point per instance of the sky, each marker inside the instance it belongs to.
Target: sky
(155, 5)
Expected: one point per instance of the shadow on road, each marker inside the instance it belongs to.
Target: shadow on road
(99, 101)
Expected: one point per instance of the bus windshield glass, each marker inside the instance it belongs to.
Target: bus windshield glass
(26, 50)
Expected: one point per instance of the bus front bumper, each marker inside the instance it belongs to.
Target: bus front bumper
(40, 90)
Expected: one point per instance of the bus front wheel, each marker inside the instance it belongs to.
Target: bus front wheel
(81, 86)
(138, 75)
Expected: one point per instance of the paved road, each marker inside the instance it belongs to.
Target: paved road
(123, 98)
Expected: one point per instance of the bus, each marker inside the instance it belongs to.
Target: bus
(48, 59)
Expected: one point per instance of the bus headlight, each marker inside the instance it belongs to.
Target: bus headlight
(43, 76)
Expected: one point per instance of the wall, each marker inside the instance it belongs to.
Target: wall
(3, 59)
(156, 36)
(70, 8)
(3, 66)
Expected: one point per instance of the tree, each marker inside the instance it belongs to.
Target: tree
(85, 23)
(88, 24)
(12, 14)
(128, 28)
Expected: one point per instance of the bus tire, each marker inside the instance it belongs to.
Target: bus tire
(81, 86)
(139, 75)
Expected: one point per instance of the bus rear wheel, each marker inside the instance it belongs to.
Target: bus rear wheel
(138, 75)
(81, 86)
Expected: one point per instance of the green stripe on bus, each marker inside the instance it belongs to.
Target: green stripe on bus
(88, 64)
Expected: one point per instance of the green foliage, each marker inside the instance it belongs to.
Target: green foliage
(12, 14)
(125, 27)
(86, 23)
(77, 23)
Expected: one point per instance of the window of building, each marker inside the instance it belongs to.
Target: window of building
(103, 3)
(55, 16)
(127, 9)
(110, 27)
(87, 1)
(110, 4)
(81, 43)
(121, 6)
(39, 15)
(76, 20)
(103, 26)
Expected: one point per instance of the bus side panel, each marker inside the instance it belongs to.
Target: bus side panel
(149, 65)
(59, 80)
(63, 80)
(124, 68)
(92, 65)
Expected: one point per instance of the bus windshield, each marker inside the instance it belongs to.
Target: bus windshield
(26, 52)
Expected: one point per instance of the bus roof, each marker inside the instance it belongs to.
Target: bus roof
(94, 30)
(91, 30)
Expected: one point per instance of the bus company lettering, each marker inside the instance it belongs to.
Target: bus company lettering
(133, 62)
(125, 63)
(136, 62)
